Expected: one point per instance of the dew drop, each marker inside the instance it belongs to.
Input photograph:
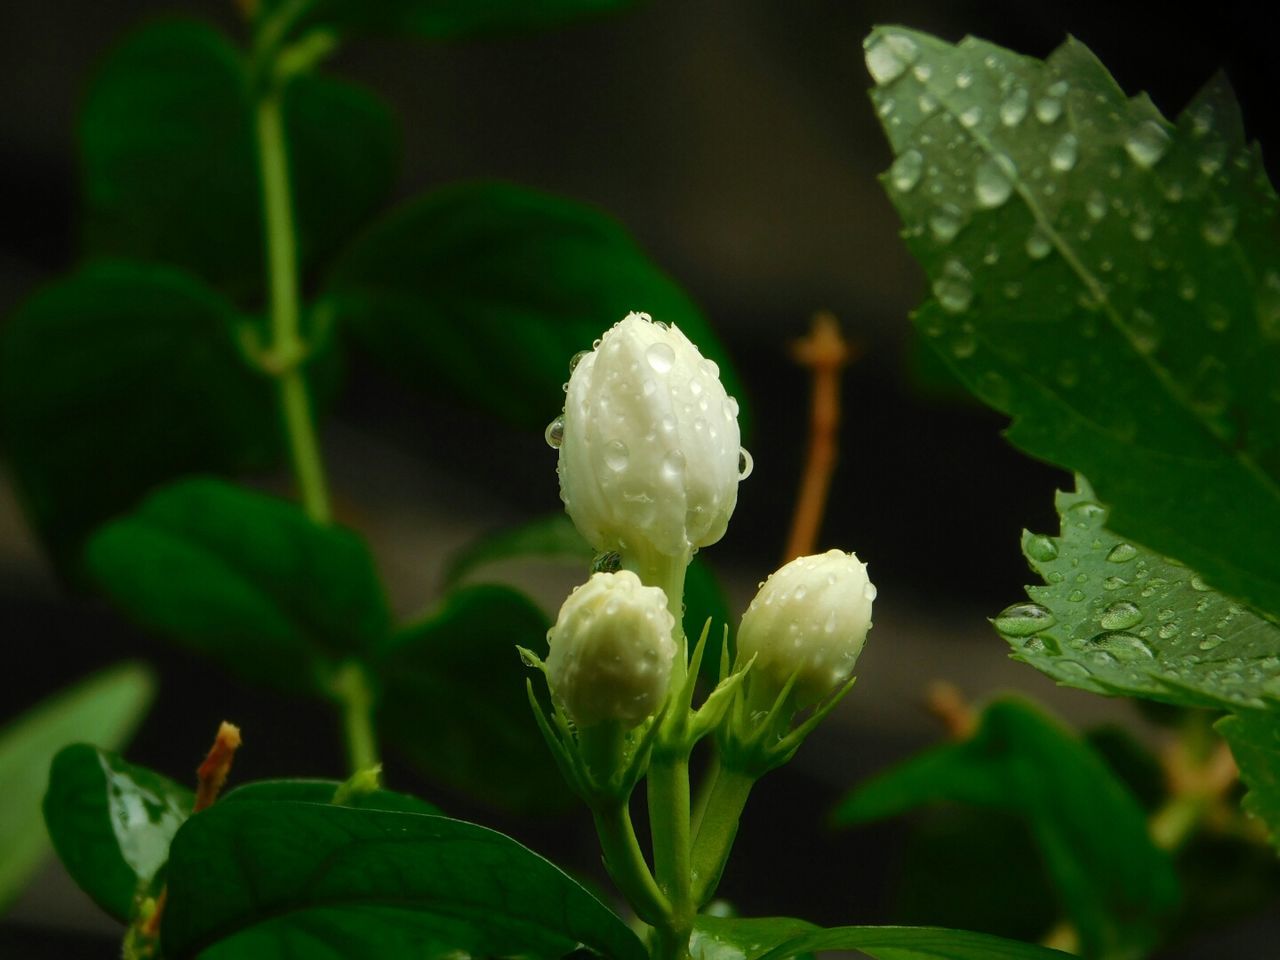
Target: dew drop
(1063, 156)
(945, 224)
(1147, 143)
(1212, 641)
(616, 455)
(1219, 226)
(1048, 109)
(1114, 583)
(1038, 246)
(1096, 205)
(905, 172)
(1169, 629)
(1123, 646)
(1075, 596)
(1014, 107)
(964, 80)
(1122, 553)
(745, 464)
(971, 117)
(1023, 619)
(991, 185)
(953, 288)
(927, 103)
(888, 57)
(660, 357)
(673, 465)
(554, 434)
(1041, 548)
(1121, 616)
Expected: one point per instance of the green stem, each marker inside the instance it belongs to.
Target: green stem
(1177, 819)
(355, 697)
(668, 783)
(717, 830)
(287, 346)
(627, 866)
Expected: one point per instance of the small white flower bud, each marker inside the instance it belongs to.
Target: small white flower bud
(611, 650)
(810, 619)
(650, 454)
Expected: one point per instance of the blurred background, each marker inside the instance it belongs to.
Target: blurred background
(735, 139)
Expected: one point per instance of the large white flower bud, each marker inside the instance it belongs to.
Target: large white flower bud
(810, 619)
(611, 650)
(649, 445)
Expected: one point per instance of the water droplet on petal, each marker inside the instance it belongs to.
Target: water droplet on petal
(616, 455)
(554, 434)
(745, 464)
(577, 358)
(660, 356)
(1023, 619)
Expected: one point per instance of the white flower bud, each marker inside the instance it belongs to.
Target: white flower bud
(810, 619)
(649, 445)
(611, 650)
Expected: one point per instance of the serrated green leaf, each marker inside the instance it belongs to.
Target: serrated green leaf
(245, 578)
(111, 823)
(106, 707)
(442, 19)
(486, 290)
(127, 373)
(742, 938)
(1116, 618)
(1114, 884)
(1254, 738)
(170, 163)
(913, 943)
(1108, 279)
(323, 791)
(256, 880)
(454, 700)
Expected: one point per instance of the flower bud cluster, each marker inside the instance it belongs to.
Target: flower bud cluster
(650, 454)
(611, 651)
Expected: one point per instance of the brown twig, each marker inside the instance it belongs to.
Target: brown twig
(825, 352)
(948, 705)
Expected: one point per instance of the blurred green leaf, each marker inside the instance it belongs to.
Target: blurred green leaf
(244, 578)
(1108, 279)
(914, 943)
(106, 707)
(1116, 618)
(975, 868)
(170, 165)
(737, 938)
(1254, 737)
(454, 700)
(117, 378)
(1114, 884)
(1133, 764)
(486, 290)
(442, 19)
(111, 823)
(257, 880)
(1226, 880)
(323, 791)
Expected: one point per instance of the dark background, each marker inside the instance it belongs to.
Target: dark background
(736, 140)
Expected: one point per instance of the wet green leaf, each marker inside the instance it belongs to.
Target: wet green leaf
(106, 708)
(737, 938)
(127, 373)
(245, 578)
(914, 943)
(111, 823)
(1108, 279)
(170, 164)
(443, 19)
(256, 880)
(1113, 883)
(486, 290)
(1254, 737)
(324, 791)
(1116, 618)
(454, 699)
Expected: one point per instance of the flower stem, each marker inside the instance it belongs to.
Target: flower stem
(626, 863)
(717, 829)
(355, 697)
(287, 346)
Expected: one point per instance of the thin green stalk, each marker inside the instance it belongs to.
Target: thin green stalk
(717, 829)
(287, 347)
(355, 697)
(668, 782)
(627, 866)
